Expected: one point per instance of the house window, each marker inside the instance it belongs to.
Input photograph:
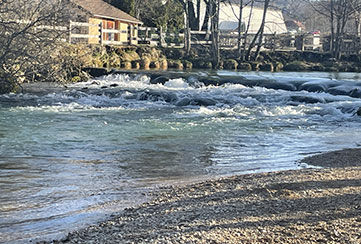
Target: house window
(109, 25)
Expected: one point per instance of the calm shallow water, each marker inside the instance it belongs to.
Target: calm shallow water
(70, 157)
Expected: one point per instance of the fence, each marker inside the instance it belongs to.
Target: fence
(96, 34)
(228, 40)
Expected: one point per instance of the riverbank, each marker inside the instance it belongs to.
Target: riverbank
(154, 58)
(78, 62)
(303, 206)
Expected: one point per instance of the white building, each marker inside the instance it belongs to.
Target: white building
(229, 13)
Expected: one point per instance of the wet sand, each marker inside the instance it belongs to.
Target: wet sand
(320, 205)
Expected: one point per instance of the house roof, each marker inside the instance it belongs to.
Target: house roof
(102, 9)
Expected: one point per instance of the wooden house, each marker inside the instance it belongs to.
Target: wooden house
(98, 22)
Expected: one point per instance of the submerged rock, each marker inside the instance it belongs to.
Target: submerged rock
(159, 80)
(184, 102)
(196, 101)
(211, 80)
(204, 102)
(313, 87)
(358, 112)
(194, 82)
(356, 93)
(340, 90)
(249, 83)
(307, 99)
(277, 85)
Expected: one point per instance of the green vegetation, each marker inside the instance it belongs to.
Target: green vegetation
(154, 13)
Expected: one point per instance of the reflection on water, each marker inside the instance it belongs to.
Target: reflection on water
(69, 158)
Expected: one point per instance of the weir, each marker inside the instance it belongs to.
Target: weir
(322, 82)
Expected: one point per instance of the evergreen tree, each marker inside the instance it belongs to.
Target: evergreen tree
(154, 13)
(127, 6)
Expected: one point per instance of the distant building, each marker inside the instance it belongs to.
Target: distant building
(229, 15)
(104, 23)
(295, 26)
(309, 42)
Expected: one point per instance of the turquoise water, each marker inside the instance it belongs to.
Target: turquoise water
(72, 156)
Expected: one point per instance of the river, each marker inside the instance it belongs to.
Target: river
(72, 156)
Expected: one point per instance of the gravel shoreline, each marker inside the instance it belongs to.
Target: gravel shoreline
(321, 205)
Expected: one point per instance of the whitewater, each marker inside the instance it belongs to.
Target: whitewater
(73, 155)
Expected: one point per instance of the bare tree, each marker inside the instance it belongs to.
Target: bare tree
(29, 34)
(213, 10)
(137, 4)
(243, 52)
(242, 32)
(339, 13)
(195, 8)
(187, 29)
(261, 29)
(259, 34)
(240, 23)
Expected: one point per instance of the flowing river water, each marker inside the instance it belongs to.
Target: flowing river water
(72, 156)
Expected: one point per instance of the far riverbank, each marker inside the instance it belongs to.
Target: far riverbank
(74, 60)
(154, 58)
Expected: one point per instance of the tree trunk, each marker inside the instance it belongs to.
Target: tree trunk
(259, 34)
(215, 34)
(137, 8)
(187, 31)
(239, 46)
(332, 38)
(199, 14)
(243, 54)
(266, 4)
(194, 15)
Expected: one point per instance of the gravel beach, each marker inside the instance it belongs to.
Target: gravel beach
(321, 205)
